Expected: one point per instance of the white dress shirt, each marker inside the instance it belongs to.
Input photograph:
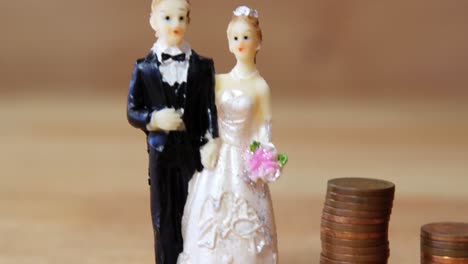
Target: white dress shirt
(173, 71)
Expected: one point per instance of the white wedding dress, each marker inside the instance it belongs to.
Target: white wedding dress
(228, 220)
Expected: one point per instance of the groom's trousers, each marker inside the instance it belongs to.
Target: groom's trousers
(169, 173)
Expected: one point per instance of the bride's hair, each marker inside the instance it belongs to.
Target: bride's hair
(155, 3)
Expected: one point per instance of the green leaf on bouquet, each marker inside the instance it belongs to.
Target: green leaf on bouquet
(254, 146)
(283, 159)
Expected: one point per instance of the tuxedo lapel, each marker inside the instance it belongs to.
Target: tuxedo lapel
(192, 75)
(192, 98)
(155, 87)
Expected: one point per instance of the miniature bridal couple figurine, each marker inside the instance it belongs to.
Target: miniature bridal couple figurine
(209, 144)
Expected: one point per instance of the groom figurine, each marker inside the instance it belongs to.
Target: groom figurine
(171, 98)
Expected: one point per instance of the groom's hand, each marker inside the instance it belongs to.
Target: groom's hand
(167, 119)
(209, 154)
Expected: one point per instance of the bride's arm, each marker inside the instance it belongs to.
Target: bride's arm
(217, 84)
(264, 113)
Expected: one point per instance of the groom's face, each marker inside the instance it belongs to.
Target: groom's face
(170, 21)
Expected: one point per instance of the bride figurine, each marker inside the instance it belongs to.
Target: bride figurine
(228, 217)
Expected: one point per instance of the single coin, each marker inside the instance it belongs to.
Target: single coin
(352, 220)
(455, 253)
(353, 235)
(327, 247)
(376, 228)
(359, 199)
(357, 243)
(359, 206)
(325, 260)
(426, 261)
(355, 214)
(443, 245)
(357, 258)
(361, 186)
(446, 231)
(442, 260)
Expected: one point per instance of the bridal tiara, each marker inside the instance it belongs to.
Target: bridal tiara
(246, 11)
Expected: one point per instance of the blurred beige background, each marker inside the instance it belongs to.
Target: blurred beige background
(359, 48)
(360, 88)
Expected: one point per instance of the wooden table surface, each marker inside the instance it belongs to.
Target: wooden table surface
(73, 175)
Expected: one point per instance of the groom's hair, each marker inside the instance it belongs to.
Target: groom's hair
(155, 3)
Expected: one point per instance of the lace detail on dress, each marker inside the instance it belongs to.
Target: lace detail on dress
(231, 215)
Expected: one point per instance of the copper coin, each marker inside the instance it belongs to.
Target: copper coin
(352, 220)
(442, 260)
(376, 228)
(362, 243)
(359, 207)
(353, 235)
(426, 261)
(357, 258)
(460, 253)
(327, 247)
(326, 260)
(444, 245)
(355, 214)
(361, 186)
(360, 199)
(445, 231)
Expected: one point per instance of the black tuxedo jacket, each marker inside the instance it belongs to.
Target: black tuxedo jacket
(146, 94)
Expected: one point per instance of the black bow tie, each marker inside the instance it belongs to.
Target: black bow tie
(179, 57)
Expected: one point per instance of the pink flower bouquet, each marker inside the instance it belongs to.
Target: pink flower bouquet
(264, 162)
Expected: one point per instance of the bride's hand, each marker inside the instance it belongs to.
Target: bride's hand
(209, 154)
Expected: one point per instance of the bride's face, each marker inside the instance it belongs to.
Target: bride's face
(243, 41)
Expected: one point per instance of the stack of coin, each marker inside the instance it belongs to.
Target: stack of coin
(355, 221)
(444, 243)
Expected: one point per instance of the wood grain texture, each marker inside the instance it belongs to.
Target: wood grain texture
(73, 175)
